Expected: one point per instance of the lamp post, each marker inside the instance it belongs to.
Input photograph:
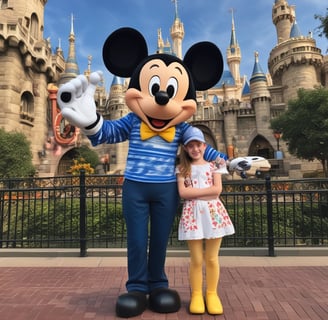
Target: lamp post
(105, 159)
(278, 134)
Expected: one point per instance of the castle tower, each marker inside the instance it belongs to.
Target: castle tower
(161, 46)
(260, 97)
(177, 33)
(71, 66)
(160, 42)
(234, 54)
(283, 16)
(325, 70)
(116, 109)
(30, 66)
(295, 62)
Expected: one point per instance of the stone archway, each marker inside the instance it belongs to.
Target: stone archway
(66, 162)
(261, 147)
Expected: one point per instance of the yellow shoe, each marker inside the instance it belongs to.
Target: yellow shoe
(197, 305)
(213, 303)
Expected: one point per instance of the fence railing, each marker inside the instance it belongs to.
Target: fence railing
(86, 212)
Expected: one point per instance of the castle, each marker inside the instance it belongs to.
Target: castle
(234, 115)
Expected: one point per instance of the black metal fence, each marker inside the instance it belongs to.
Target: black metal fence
(86, 212)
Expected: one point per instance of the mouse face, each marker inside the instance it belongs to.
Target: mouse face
(162, 88)
(161, 98)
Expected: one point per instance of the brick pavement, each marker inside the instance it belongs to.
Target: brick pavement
(262, 292)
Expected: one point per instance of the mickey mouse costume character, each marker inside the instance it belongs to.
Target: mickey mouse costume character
(161, 96)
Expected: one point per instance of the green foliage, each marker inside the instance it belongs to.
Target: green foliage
(291, 223)
(16, 156)
(90, 156)
(55, 222)
(59, 222)
(323, 28)
(305, 125)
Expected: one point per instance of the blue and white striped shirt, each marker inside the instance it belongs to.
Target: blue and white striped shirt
(151, 160)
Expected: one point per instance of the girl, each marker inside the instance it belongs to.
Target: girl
(203, 217)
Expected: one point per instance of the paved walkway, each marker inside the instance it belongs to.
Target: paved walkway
(255, 288)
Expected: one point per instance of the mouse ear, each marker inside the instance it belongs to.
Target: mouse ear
(205, 63)
(123, 50)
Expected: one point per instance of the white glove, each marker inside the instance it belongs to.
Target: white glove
(249, 166)
(221, 165)
(240, 164)
(76, 101)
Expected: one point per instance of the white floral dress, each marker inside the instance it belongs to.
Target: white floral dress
(204, 219)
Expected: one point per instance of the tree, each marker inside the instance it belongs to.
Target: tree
(16, 155)
(89, 156)
(323, 28)
(305, 126)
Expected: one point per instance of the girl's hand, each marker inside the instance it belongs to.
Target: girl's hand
(188, 182)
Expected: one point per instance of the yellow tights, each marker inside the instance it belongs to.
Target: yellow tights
(212, 268)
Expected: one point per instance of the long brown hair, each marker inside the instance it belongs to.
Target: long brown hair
(184, 163)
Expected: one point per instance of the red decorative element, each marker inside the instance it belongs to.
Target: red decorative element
(65, 133)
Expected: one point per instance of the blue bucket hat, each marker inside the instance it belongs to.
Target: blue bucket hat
(193, 133)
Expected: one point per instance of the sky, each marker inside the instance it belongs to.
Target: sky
(204, 20)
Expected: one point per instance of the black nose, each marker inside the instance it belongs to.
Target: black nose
(66, 97)
(162, 98)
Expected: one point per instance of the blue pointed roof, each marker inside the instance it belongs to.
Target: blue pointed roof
(257, 74)
(233, 38)
(295, 31)
(246, 89)
(117, 81)
(226, 79)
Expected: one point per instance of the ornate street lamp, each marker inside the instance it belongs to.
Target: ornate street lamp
(105, 160)
(277, 134)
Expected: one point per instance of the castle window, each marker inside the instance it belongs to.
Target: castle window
(34, 26)
(4, 4)
(27, 22)
(27, 107)
(208, 113)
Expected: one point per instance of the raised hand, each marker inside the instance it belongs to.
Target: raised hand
(76, 100)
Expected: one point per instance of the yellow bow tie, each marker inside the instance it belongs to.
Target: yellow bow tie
(147, 133)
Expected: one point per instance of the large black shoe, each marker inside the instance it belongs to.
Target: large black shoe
(131, 304)
(164, 300)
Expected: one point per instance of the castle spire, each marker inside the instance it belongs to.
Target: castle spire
(233, 40)
(71, 66)
(233, 53)
(177, 32)
(72, 24)
(295, 31)
(176, 9)
(257, 74)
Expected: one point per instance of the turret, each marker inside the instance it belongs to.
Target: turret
(161, 46)
(234, 54)
(260, 96)
(283, 16)
(177, 33)
(116, 109)
(295, 62)
(71, 66)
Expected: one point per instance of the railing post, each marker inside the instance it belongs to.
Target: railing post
(269, 216)
(83, 216)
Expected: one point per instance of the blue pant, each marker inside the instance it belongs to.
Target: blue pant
(149, 210)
